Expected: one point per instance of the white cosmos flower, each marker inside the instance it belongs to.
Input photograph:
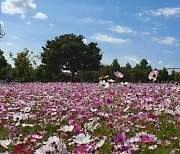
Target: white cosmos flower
(19, 116)
(17, 124)
(93, 110)
(135, 147)
(107, 76)
(178, 109)
(49, 146)
(153, 75)
(53, 139)
(110, 80)
(27, 125)
(118, 74)
(82, 139)
(27, 109)
(152, 147)
(40, 151)
(104, 84)
(5, 143)
(126, 83)
(61, 147)
(133, 139)
(99, 144)
(37, 136)
(67, 128)
(44, 149)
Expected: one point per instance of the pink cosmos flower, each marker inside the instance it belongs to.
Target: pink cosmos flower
(20, 148)
(71, 122)
(78, 128)
(32, 139)
(120, 137)
(118, 74)
(153, 75)
(178, 119)
(148, 138)
(81, 149)
(2, 107)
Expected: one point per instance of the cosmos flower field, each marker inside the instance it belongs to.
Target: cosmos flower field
(87, 118)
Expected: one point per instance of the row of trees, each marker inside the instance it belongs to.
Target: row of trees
(139, 73)
(25, 69)
(69, 52)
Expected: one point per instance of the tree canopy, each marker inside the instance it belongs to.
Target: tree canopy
(23, 66)
(69, 52)
(115, 65)
(3, 65)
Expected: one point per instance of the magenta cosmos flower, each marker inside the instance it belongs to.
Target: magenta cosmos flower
(118, 74)
(153, 75)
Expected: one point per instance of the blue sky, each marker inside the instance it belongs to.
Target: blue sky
(128, 30)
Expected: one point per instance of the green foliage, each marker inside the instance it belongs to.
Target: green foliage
(4, 66)
(1, 32)
(4, 133)
(23, 70)
(68, 52)
(163, 75)
(139, 73)
(143, 64)
(128, 66)
(174, 76)
(115, 65)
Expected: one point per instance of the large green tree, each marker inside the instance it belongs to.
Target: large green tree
(3, 65)
(23, 69)
(69, 52)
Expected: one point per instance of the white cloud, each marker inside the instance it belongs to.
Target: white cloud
(139, 14)
(145, 19)
(91, 20)
(52, 25)
(40, 15)
(145, 33)
(9, 43)
(109, 39)
(87, 20)
(167, 52)
(103, 22)
(121, 29)
(154, 29)
(17, 6)
(1, 23)
(132, 59)
(168, 66)
(149, 61)
(23, 16)
(15, 37)
(160, 62)
(167, 40)
(166, 12)
(28, 22)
